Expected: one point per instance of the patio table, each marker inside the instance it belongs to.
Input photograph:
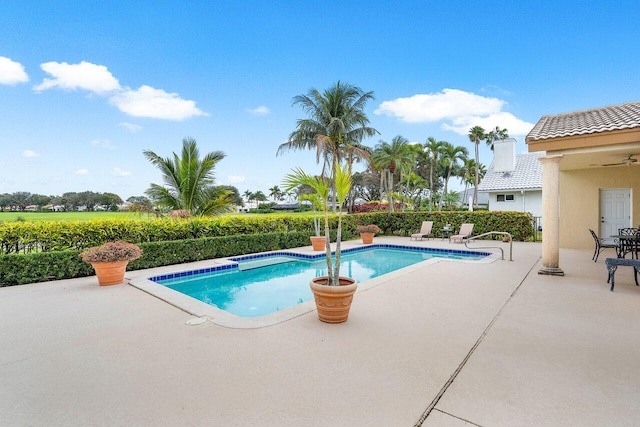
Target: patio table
(446, 232)
(627, 243)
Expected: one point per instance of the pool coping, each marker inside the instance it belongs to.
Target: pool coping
(223, 318)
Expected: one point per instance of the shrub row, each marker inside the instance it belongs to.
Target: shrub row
(26, 237)
(519, 224)
(17, 269)
(47, 236)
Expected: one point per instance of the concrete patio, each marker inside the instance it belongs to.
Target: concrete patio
(447, 344)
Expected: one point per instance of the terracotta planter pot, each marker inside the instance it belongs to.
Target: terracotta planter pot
(367, 238)
(318, 243)
(333, 302)
(110, 273)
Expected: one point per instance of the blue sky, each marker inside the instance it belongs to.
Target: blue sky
(86, 86)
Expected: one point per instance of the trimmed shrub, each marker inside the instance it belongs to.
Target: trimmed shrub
(519, 224)
(18, 269)
(48, 236)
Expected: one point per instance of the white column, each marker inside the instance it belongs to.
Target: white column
(551, 216)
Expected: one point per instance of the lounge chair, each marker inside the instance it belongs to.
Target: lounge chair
(425, 231)
(601, 245)
(465, 231)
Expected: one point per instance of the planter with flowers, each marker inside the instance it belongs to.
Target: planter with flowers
(110, 260)
(367, 232)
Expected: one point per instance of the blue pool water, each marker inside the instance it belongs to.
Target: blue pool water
(263, 284)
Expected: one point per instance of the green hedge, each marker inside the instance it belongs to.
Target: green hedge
(18, 269)
(45, 236)
(519, 224)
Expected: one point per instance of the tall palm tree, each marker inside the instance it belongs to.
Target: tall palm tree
(335, 126)
(469, 173)
(433, 149)
(476, 134)
(189, 181)
(275, 193)
(259, 196)
(451, 156)
(389, 157)
(496, 135)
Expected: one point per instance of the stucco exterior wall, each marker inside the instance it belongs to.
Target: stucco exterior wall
(580, 201)
(530, 201)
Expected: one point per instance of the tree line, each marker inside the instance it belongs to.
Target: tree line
(413, 175)
(21, 200)
(416, 175)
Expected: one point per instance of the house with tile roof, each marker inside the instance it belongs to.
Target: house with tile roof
(517, 190)
(590, 176)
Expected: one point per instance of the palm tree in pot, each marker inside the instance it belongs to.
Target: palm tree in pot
(333, 294)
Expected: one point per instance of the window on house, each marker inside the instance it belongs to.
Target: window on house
(504, 198)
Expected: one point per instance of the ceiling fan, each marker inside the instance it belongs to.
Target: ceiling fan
(626, 162)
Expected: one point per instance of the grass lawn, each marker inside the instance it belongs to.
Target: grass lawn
(66, 216)
(86, 216)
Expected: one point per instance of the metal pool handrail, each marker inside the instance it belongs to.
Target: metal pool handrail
(503, 233)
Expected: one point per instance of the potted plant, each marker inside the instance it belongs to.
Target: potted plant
(317, 241)
(110, 260)
(333, 294)
(367, 232)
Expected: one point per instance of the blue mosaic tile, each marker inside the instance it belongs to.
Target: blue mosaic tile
(234, 264)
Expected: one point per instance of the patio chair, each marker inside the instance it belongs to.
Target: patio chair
(425, 231)
(465, 231)
(629, 242)
(601, 245)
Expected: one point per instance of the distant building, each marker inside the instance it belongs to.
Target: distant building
(483, 198)
(513, 183)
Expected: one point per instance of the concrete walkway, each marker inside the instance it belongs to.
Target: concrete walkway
(449, 344)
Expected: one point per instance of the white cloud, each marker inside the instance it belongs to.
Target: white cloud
(514, 125)
(12, 72)
(447, 104)
(82, 172)
(119, 172)
(130, 127)
(147, 101)
(85, 75)
(30, 153)
(259, 111)
(235, 179)
(103, 143)
(462, 110)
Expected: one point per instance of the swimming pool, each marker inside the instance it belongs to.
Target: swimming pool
(257, 285)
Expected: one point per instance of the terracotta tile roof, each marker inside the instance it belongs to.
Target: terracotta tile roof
(527, 175)
(613, 117)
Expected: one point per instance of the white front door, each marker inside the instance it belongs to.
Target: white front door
(615, 211)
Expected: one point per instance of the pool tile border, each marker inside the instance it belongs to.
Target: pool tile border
(233, 264)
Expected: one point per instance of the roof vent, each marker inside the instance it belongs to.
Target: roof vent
(504, 155)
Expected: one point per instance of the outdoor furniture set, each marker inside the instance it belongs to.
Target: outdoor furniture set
(425, 231)
(627, 241)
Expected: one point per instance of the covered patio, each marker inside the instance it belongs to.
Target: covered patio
(446, 344)
(591, 176)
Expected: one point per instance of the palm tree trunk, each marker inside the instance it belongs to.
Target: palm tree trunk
(431, 186)
(475, 188)
(390, 194)
(327, 247)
